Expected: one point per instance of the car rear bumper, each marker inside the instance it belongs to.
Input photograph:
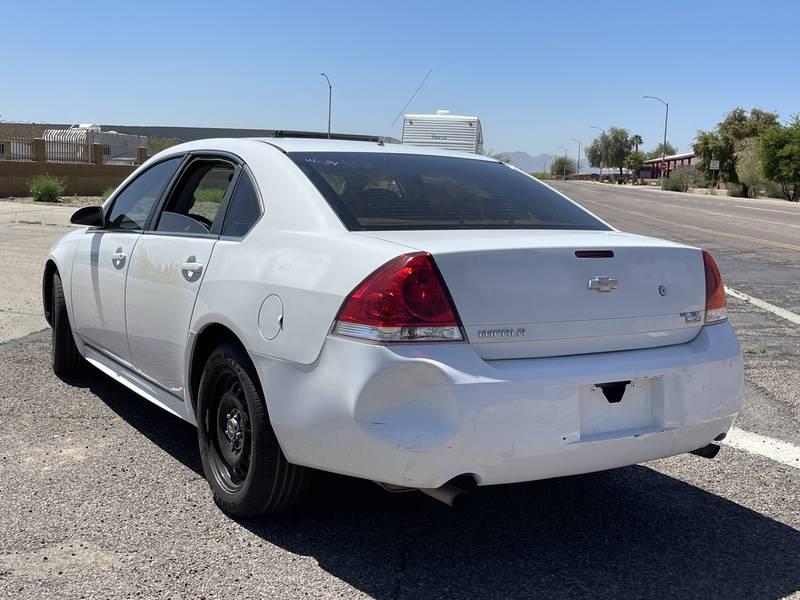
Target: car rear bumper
(419, 415)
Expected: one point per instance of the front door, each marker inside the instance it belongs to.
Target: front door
(98, 290)
(167, 268)
(102, 261)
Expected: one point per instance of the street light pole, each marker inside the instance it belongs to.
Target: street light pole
(578, 162)
(602, 145)
(664, 145)
(330, 97)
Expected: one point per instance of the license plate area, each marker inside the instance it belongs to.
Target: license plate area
(620, 406)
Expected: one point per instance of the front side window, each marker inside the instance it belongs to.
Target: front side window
(194, 204)
(383, 191)
(132, 205)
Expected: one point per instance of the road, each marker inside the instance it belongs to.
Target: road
(102, 494)
(755, 242)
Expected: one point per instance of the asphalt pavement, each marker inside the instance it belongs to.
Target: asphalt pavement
(102, 494)
(755, 242)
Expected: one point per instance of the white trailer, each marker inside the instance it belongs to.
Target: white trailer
(443, 130)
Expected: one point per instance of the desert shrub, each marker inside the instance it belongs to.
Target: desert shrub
(46, 188)
(675, 184)
(736, 190)
(683, 177)
(772, 190)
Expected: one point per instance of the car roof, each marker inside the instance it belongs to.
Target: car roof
(288, 144)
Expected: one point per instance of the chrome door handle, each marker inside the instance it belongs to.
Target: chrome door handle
(118, 258)
(191, 269)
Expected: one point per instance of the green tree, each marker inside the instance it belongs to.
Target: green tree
(634, 161)
(610, 148)
(721, 143)
(637, 141)
(662, 150)
(779, 152)
(563, 166)
(748, 166)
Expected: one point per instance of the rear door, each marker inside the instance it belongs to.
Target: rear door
(102, 260)
(168, 265)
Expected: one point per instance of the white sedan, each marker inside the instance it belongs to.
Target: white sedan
(420, 318)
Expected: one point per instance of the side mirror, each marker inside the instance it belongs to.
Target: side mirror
(88, 215)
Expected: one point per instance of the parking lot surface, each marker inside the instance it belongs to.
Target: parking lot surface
(102, 494)
(28, 231)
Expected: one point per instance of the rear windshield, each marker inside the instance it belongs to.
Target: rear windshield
(377, 191)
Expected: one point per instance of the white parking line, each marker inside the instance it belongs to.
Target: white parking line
(775, 310)
(777, 450)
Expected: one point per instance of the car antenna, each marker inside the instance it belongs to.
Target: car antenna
(419, 87)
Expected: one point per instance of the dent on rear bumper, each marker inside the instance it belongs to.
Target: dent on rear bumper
(420, 415)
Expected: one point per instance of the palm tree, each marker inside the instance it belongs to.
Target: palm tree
(636, 139)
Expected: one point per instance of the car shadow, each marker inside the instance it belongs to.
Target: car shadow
(629, 532)
(171, 434)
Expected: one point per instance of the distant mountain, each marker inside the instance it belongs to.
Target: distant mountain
(536, 164)
(528, 163)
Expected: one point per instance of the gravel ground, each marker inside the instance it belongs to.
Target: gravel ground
(103, 496)
(74, 201)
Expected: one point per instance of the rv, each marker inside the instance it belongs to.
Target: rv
(443, 130)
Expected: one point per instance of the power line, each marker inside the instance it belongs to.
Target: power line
(419, 87)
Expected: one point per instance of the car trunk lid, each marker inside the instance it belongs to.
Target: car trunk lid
(549, 293)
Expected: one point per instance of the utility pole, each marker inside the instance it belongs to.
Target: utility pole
(577, 162)
(602, 147)
(330, 97)
(664, 145)
(544, 168)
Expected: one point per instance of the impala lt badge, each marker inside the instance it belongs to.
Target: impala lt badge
(502, 333)
(603, 283)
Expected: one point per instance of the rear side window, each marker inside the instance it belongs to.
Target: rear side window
(244, 209)
(132, 205)
(194, 203)
(377, 191)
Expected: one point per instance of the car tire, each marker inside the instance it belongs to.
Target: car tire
(242, 460)
(64, 353)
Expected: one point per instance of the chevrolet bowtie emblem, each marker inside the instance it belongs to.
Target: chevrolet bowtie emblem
(603, 283)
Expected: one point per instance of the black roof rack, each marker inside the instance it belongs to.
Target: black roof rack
(350, 137)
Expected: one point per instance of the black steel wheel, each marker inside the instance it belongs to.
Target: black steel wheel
(233, 435)
(242, 461)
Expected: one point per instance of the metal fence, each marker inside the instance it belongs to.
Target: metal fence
(60, 151)
(119, 153)
(69, 151)
(16, 149)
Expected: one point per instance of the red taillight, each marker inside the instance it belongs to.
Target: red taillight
(716, 306)
(404, 300)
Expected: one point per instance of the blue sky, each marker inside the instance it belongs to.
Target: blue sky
(536, 73)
